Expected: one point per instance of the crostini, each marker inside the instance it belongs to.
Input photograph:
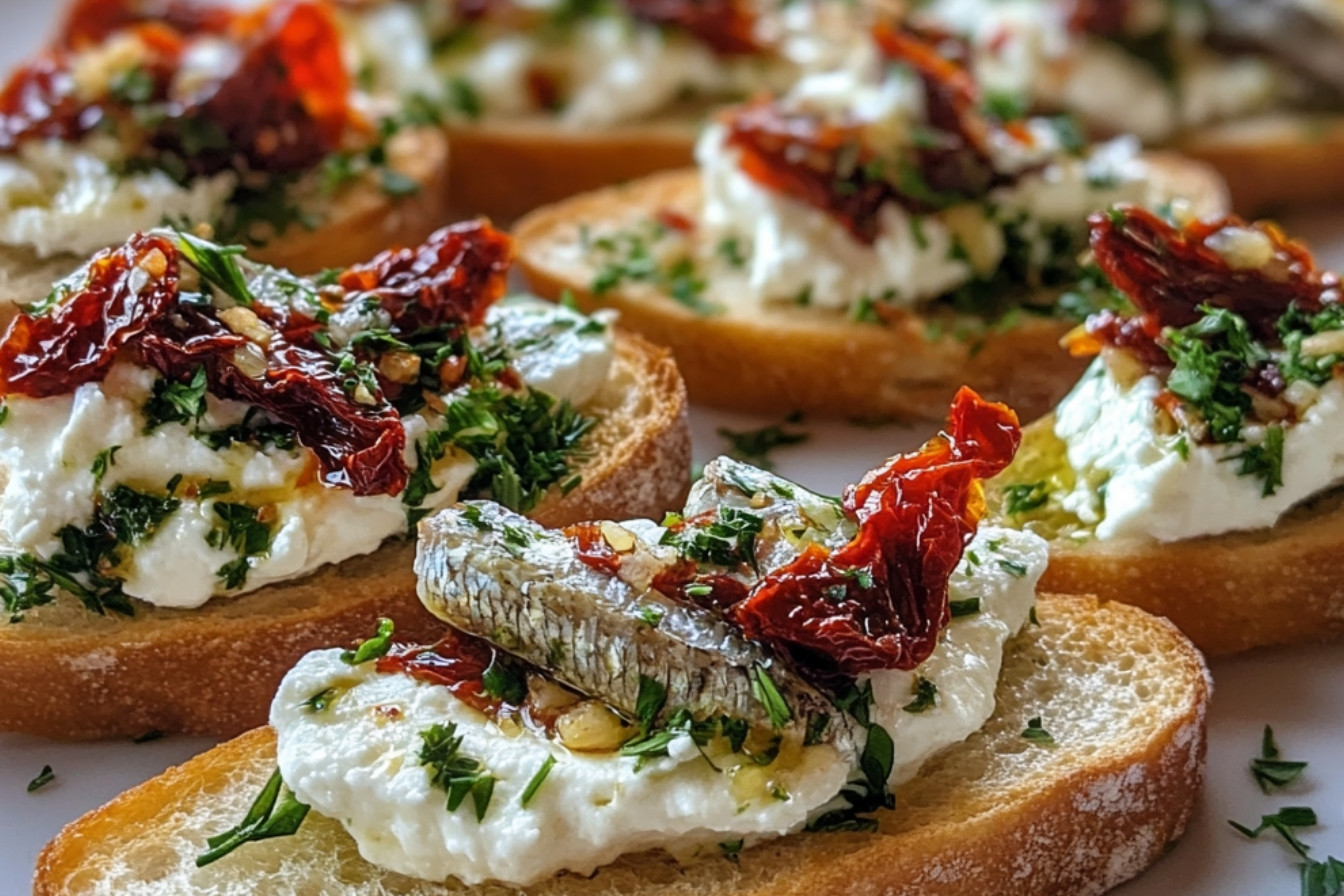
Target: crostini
(140, 114)
(1253, 88)
(859, 248)
(1194, 469)
(206, 462)
(547, 99)
(638, 708)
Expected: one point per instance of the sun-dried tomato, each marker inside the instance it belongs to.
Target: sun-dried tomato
(880, 601)
(1168, 272)
(76, 341)
(728, 27)
(283, 107)
(453, 277)
(358, 444)
(90, 22)
(832, 166)
(457, 661)
(592, 547)
(1104, 18)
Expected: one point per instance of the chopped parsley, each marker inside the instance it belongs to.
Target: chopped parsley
(965, 607)
(926, 696)
(1269, 770)
(731, 849)
(1025, 497)
(537, 780)
(766, 692)
(276, 812)
(372, 648)
(728, 540)
(173, 402)
(454, 773)
(1036, 733)
(504, 681)
(218, 266)
(1285, 822)
(102, 462)
(1013, 568)
(122, 517)
(320, 701)
(754, 446)
(628, 257)
(1322, 878)
(240, 527)
(44, 777)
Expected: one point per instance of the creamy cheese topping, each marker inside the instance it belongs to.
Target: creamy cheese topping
(357, 760)
(1138, 482)
(792, 249)
(613, 70)
(1027, 47)
(50, 448)
(58, 197)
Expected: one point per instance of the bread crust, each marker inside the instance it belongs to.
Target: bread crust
(1274, 161)
(811, 359)
(505, 169)
(993, 814)
(1229, 593)
(213, 670)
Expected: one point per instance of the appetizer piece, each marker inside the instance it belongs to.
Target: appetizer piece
(140, 114)
(859, 248)
(547, 99)
(206, 463)
(1193, 470)
(639, 708)
(1254, 88)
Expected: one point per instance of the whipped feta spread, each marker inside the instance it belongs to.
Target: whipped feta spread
(792, 249)
(1027, 47)
(613, 70)
(1136, 482)
(357, 760)
(50, 449)
(58, 197)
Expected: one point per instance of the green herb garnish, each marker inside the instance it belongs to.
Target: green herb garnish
(1269, 770)
(538, 779)
(454, 773)
(372, 648)
(1036, 733)
(272, 814)
(926, 696)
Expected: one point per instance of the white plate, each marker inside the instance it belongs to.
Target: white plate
(1299, 692)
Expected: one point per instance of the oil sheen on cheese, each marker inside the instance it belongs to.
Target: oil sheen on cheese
(356, 761)
(1152, 491)
(48, 449)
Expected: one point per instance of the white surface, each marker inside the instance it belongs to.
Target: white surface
(1299, 692)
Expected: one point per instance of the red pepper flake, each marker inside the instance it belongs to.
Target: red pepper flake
(457, 661)
(728, 27)
(880, 601)
(75, 342)
(1168, 272)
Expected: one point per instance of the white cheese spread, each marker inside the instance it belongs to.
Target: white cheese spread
(793, 249)
(357, 760)
(1028, 48)
(58, 197)
(49, 447)
(1135, 482)
(613, 70)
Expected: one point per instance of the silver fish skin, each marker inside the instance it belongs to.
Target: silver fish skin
(495, 574)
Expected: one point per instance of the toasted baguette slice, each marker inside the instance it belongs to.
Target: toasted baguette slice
(505, 169)
(1274, 161)
(809, 359)
(1228, 592)
(213, 670)
(1122, 693)
(357, 223)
